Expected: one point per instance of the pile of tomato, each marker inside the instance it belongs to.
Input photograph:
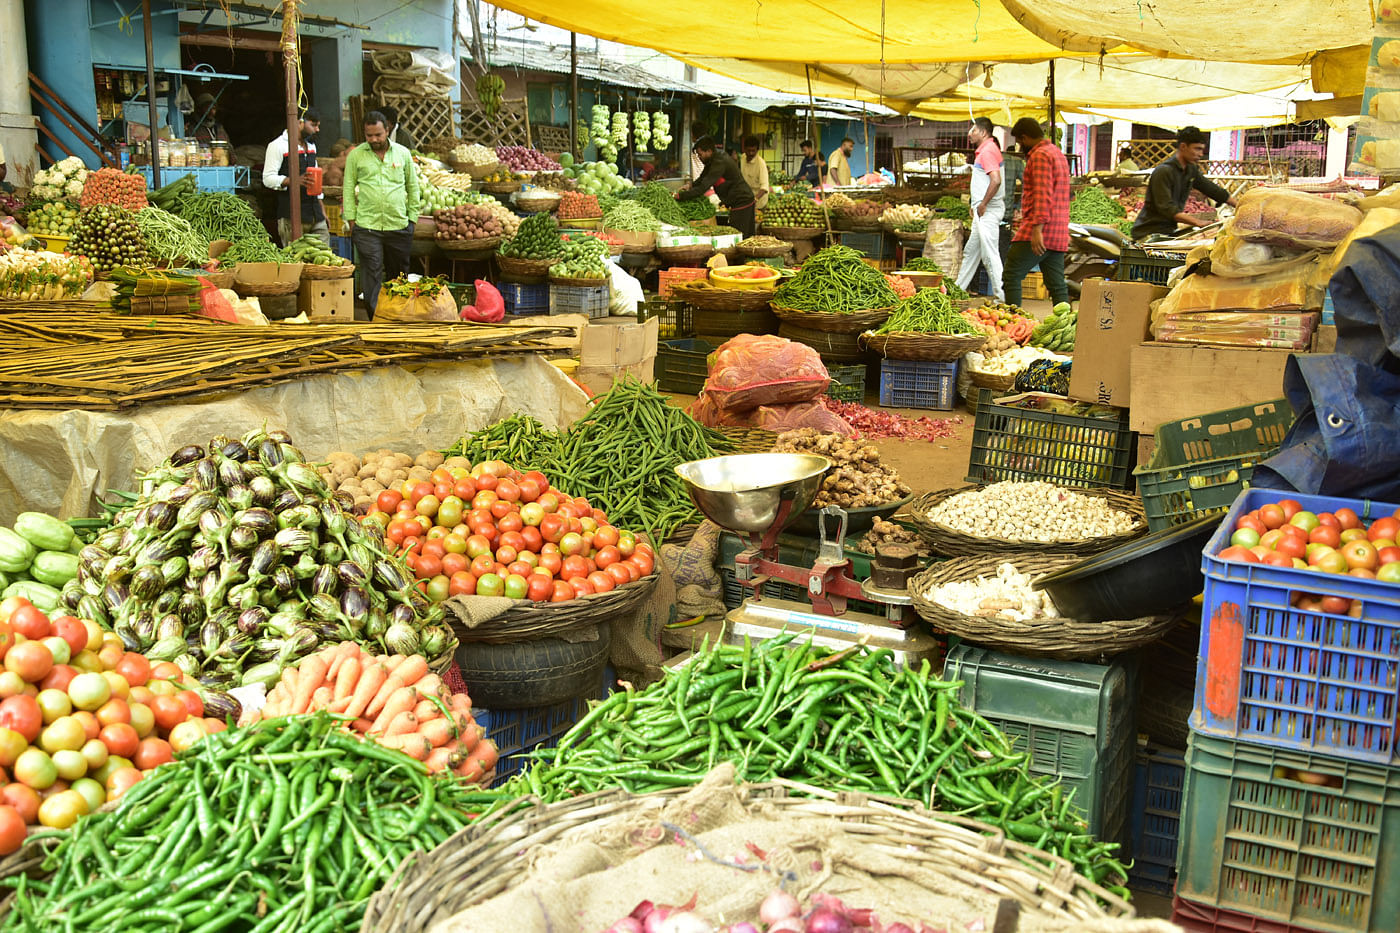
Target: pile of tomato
(495, 531)
(81, 718)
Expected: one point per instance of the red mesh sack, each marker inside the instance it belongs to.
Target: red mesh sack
(776, 418)
(749, 371)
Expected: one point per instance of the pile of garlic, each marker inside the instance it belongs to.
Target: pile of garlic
(1039, 512)
(1008, 595)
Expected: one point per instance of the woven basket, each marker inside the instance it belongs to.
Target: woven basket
(910, 240)
(764, 252)
(862, 224)
(794, 233)
(482, 245)
(527, 621)
(683, 254)
(956, 544)
(476, 170)
(579, 283)
(266, 289)
(751, 440)
(993, 381)
(501, 187)
(524, 268)
(313, 273)
(219, 279)
(937, 348)
(945, 853)
(709, 297)
(537, 205)
(833, 347)
(853, 323)
(1066, 639)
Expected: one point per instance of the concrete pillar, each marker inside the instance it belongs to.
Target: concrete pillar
(17, 134)
(1337, 154)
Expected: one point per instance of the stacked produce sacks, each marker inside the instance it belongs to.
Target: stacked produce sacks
(767, 382)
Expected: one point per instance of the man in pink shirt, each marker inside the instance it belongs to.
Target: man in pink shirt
(988, 207)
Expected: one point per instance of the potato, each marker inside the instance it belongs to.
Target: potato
(420, 474)
(364, 501)
(454, 463)
(402, 460)
(372, 487)
(432, 459)
(385, 477)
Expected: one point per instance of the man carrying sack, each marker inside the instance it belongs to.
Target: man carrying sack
(381, 206)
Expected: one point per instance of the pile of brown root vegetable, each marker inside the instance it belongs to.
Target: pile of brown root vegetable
(884, 532)
(857, 478)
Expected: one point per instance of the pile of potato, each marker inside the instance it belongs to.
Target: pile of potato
(364, 478)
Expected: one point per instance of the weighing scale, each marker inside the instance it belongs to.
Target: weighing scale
(757, 496)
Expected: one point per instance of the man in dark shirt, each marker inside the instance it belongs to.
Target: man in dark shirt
(1170, 186)
(813, 165)
(724, 175)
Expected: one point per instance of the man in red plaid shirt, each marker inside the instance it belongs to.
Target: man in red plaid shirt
(1043, 235)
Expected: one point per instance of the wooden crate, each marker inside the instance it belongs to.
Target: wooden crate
(509, 127)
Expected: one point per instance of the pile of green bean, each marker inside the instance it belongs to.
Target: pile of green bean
(1092, 205)
(630, 216)
(837, 281)
(922, 264)
(951, 208)
(221, 215)
(171, 239)
(929, 311)
(843, 721)
(290, 824)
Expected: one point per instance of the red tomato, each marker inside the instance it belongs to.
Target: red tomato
(530, 489)
(602, 583)
(500, 509)
(462, 584)
(434, 547)
(510, 523)
(634, 572)
(618, 572)
(607, 556)
(22, 714)
(1290, 508)
(169, 712)
(122, 780)
(1347, 518)
(513, 539)
(541, 587)
(508, 490)
(388, 500)
(605, 535)
(552, 527)
(582, 587)
(153, 753)
(1330, 520)
(194, 704)
(533, 539)
(465, 489)
(120, 739)
(23, 798)
(1381, 528)
(418, 491)
(551, 561)
(573, 567)
(30, 622)
(58, 678)
(1325, 534)
(442, 489)
(483, 564)
(72, 631)
(1252, 523)
(643, 560)
(428, 567)
(562, 592)
(12, 830)
(505, 554)
(453, 564)
(487, 482)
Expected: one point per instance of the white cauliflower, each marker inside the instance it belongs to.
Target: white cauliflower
(46, 192)
(42, 177)
(71, 166)
(73, 190)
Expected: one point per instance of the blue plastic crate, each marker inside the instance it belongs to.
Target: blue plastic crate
(591, 300)
(517, 732)
(525, 299)
(874, 245)
(918, 384)
(1156, 819)
(1273, 674)
(343, 247)
(209, 177)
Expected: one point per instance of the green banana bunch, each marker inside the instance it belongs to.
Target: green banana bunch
(489, 90)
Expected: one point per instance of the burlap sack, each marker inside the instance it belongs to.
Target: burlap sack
(636, 638)
(699, 587)
(943, 244)
(439, 307)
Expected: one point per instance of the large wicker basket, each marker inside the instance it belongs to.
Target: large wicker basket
(794, 233)
(527, 621)
(313, 273)
(764, 252)
(994, 381)
(709, 297)
(524, 268)
(943, 853)
(854, 323)
(469, 247)
(501, 187)
(477, 170)
(954, 543)
(938, 348)
(685, 254)
(536, 205)
(1066, 639)
(578, 283)
(264, 289)
(221, 279)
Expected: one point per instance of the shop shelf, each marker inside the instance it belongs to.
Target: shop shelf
(1198, 918)
(525, 299)
(209, 178)
(677, 317)
(1156, 819)
(1271, 673)
(517, 732)
(1297, 838)
(683, 365)
(669, 277)
(847, 382)
(1076, 720)
(1147, 265)
(591, 300)
(918, 384)
(1010, 442)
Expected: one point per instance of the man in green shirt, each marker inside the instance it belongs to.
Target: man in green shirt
(381, 206)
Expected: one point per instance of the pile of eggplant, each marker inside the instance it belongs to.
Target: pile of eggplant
(237, 560)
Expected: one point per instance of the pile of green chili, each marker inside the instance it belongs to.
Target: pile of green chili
(290, 824)
(843, 721)
(929, 311)
(836, 281)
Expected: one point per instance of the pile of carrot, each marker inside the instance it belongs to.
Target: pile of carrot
(395, 701)
(110, 186)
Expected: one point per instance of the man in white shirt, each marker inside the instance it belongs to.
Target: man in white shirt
(755, 172)
(275, 177)
(988, 206)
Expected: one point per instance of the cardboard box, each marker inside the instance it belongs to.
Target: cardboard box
(1325, 339)
(1172, 381)
(327, 301)
(1113, 318)
(600, 379)
(614, 342)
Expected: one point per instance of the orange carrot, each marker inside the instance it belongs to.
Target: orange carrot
(338, 655)
(361, 725)
(413, 669)
(429, 685)
(401, 700)
(345, 678)
(402, 724)
(438, 732)
(311, 675)
(415, 746)
(320, 698)
(392, 684)
(393, 661)
(290, 677)
(439, 759)
(426, 710)
(372, 677)
(338, 706)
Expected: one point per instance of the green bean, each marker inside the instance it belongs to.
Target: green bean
(171, 239)
(929, 311)
(836, 280)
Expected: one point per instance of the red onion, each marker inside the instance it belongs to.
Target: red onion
(778, 905)
(874, 424)
(825, 920)
(630, 925)
(790, 925)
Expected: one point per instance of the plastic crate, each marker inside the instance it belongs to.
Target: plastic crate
(847, 382)
(1146, 265)
(1303, 839)
(1156, 819)
(343, 247)
(335, 219)
(525, 299)
(668, 277)
(591, 300)
(874, 245)
(1270, 673)
(677, 317)
(1198, 918)
(1076, 720)
(517, 732)
(1014, 443)
(1200, 464)
(209, 177)
(918, 384)
(683, 365)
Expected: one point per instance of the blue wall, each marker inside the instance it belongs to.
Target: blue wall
(833, 131)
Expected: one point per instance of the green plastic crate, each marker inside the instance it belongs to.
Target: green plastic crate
(677, 317)
(1322, 854)
(847, 382)
(1026, 444)
(1076, 720)
(1201, 464)
(683, 365)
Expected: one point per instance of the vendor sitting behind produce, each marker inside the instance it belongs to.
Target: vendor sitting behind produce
(755, 171)
(723, 174)
(1170, 186)
(276, 170)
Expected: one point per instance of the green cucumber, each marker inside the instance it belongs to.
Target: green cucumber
(41, 595)
(44, 531)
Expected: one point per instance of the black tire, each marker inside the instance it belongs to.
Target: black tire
(533, 673)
